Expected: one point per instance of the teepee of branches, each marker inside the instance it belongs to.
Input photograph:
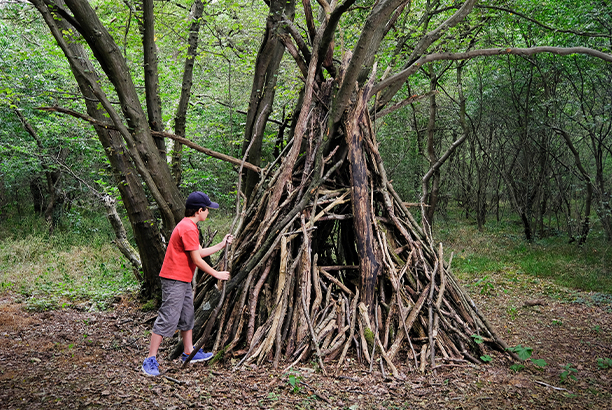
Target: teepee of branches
(327, 260)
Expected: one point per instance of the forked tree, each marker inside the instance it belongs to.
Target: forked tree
(327, 257)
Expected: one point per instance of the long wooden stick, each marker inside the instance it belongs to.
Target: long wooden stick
(336, 281)
(352, 329)
(313, 335)
(211, 320)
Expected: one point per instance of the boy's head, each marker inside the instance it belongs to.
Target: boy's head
(197, 200)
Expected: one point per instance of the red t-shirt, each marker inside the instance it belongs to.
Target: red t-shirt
(177, 262)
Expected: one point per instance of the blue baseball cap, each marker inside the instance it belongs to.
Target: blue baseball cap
(197, 200)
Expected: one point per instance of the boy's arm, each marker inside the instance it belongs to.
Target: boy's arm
(201, 263)
(204, 252)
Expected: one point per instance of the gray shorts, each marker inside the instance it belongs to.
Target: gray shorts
(176, 311)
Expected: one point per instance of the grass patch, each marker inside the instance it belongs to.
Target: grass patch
(80, 263)
(77, 264)
(63, 269)
(501, 248)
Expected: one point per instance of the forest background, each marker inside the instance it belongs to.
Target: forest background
(517, 146)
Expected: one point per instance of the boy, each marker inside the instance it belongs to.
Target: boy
(183, 254)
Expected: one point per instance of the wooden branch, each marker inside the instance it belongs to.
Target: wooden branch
(317, 287)
(353, 311)
(313, 335)
(555, 29)
(293, 51)
(226, 306)
(339, 267)
(362, 339)
(253, 302)
(312, 31)
(430, 313)
(443, 159)
(423, 357)
(403, 103)
(422, 45)
(336, 281)
(184, 141)
(408, 322)
(339, 201)
(551, 386)
(404, 74)
(326, 8)
(336, 217)
(387, 359)
(337, 342)
(375, 331)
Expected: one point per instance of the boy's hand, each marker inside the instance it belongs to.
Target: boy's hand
(227, 239)
(222, 275)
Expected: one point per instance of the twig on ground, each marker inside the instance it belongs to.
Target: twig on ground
(552, 387)
(172, 379)
(318, 394)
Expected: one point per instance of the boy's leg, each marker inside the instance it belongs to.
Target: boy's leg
(187, 319)
(150, 366)
(199, 356)
(165, 324)
(187, 341)
(185, 325)
(168, 315)
(154, 345)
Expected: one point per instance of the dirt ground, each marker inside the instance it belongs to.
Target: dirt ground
(74, 358)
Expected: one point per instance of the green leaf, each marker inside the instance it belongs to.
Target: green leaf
(539, 362)
(523, 353)
(478, 339)
(517, 367)
(605, 363)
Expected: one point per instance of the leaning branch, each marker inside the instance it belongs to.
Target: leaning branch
(539, 23)
(443, 159)
(184, 141)
(404, 74)
(403, 103)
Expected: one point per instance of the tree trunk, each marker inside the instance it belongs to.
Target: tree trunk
(151, 78)
(146, 234)
(38, 198)
(369, 258)
(180, 117)
(430, 196)
(264, 86)
(137, 134)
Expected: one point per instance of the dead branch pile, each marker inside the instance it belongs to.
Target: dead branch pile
(310, 277)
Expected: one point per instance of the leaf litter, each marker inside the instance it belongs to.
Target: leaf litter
(75, 358)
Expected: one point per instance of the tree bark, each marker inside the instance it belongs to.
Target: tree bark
(146, 233)
(151, 78)
(369, 257)
(143, 149)
(430, 196)
(264, 86)
(180, 117)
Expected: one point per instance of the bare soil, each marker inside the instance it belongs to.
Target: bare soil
(74, 358)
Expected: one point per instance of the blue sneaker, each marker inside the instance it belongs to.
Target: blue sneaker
(150, 367)
(200, 356)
